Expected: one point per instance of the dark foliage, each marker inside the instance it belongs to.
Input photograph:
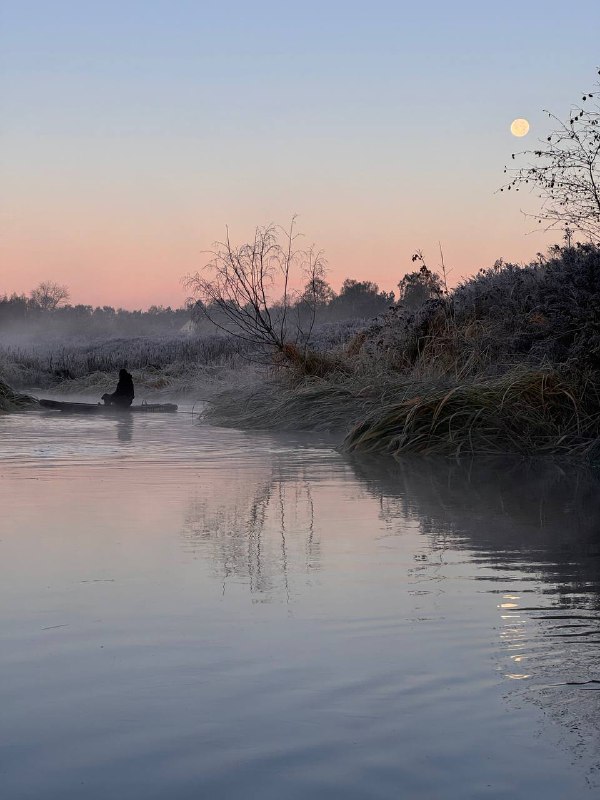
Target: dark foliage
(546, 312)
(359, 299)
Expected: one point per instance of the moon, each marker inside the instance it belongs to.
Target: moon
(519, 127)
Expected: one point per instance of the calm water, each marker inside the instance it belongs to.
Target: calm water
(191, 612)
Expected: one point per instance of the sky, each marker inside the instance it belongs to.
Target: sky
(132, 133)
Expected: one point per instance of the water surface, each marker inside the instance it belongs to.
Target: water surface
(192, 612)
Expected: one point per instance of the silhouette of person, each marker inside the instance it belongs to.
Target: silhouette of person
(123, 394)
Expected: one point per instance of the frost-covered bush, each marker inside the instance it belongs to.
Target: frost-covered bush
(546, 312)
(336, 335)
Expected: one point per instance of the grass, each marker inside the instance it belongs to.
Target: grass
(509, 362)
(47, 365)
(179, 362)
(13, 401)
(524, 411)
(313, 404)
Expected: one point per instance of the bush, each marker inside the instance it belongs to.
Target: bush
(545, 313)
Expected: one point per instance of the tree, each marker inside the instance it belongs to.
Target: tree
(237, 287)
(417, 287)
(317, 292)
(360, 299)
(49, 295)
(565, 171)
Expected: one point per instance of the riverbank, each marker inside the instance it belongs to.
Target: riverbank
(509, 362)
(525, 412)
(13, 401)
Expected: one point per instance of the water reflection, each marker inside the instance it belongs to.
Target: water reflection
(125, 429)
(539, 516)
(533, 530)
(523, 535)
(224, 610)
(260, 529)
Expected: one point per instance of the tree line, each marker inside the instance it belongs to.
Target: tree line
(46, 309)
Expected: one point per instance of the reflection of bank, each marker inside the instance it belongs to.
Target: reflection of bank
(538, 516)
(535, 529)
(260, 530)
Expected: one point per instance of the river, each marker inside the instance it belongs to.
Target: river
(194, 612)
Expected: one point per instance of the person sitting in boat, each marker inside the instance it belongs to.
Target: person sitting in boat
(123, 394)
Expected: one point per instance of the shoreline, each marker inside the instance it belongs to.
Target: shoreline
(525, 412)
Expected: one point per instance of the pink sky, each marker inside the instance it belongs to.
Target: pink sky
(124, 257)
(130, 140)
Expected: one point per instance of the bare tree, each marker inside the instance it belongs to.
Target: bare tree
(565, 171)
(49, 295)
(238, 287)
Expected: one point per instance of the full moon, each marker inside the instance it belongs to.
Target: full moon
(519, 127)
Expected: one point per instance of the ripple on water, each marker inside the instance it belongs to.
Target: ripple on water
(191, 611)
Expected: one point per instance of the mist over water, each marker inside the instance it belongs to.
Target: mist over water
(188, 611)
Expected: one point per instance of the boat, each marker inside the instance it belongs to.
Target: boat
(100, 408)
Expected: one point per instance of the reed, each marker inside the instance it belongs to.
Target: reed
(524, 411)
(312, 404)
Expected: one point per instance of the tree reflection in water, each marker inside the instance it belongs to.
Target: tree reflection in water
(261, 529)
(529, 532)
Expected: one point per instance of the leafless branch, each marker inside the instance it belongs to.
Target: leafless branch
(565, 171)
(237, 287)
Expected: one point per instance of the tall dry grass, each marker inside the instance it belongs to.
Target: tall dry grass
(524, 411)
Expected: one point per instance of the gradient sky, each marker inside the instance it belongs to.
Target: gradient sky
(133, 132)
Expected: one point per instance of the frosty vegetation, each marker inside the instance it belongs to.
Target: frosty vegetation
(507, 362)
(181, 364)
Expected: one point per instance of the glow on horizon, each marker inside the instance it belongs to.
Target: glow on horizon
(133, 134)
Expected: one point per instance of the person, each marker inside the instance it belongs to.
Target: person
(123, 394)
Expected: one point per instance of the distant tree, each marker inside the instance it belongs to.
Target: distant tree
(318, 292)
(360, 299)
(49, 295)
(81, 312)
(419, 286)
(565, 171)
(13, 309)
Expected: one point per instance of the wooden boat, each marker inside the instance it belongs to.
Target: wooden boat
(100, 408)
